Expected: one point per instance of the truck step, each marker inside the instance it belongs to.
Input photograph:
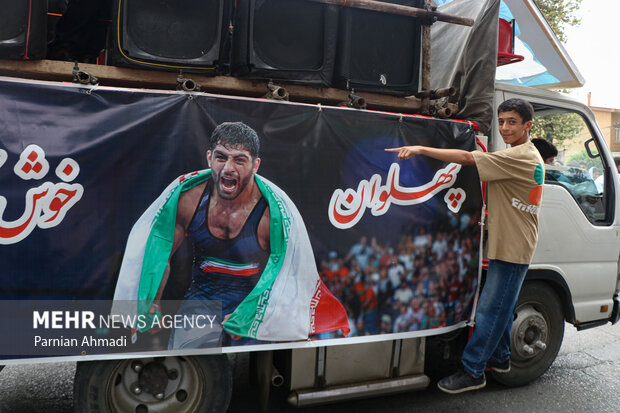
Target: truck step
(303, 398)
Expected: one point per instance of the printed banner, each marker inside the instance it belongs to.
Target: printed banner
(313, 233)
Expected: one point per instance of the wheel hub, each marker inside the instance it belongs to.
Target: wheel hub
(529, 334)
(153, 379)
(150, 385)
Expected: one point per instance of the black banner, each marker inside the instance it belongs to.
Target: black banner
(78, 167)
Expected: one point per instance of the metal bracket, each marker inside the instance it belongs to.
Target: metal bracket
(276, 92)
(187, 85)
(431, 8)
(443, 109)
(320, 367)
(396, 351)
(354, 101)
(83, 77)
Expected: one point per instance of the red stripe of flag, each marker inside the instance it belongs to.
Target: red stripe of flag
(330, 315)
(243, 273)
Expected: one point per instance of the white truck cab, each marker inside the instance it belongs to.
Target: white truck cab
(579, 239)
(575, 265)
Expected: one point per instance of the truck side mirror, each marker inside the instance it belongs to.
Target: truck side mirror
(588, 145)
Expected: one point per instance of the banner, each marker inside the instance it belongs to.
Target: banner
(348, 241)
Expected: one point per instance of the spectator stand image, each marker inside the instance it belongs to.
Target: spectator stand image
(428, 280)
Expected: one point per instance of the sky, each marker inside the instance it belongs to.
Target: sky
(593, 47)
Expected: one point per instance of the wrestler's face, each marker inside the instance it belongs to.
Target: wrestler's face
(513, 129)
(233, 169)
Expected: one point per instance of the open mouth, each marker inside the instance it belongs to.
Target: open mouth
(228, 184)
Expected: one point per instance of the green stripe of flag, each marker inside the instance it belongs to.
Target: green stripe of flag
(159, 245)
(246, 319)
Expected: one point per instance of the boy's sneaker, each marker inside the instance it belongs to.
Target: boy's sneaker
(503, 367)
(460, 382)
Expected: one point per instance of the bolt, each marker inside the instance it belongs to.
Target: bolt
(159, 396)
(136, 366)
(528, 349)
(136, 389)
(540, 345)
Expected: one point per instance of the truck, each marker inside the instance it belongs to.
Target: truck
(90, 156)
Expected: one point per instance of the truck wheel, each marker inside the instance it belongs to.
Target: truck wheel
(155, 384)
(536, 334)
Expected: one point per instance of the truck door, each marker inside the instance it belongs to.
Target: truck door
(578, 244)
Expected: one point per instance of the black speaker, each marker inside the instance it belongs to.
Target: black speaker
(55, 11)
(23, 29)
(293, 40)
(378, 51)
(167, 34)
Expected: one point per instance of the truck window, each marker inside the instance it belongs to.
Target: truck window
(579, 167)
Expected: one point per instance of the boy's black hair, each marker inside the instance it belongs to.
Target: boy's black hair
(521, 106)
(546, 148)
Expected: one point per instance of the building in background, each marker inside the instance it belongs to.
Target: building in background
(609, 121)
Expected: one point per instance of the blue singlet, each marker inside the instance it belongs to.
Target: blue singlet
(224, 270)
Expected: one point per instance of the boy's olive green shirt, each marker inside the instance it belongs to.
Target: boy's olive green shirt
(515, 179)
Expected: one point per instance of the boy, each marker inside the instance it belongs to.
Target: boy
(515, 177)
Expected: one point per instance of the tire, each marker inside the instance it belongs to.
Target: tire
(148, 385)
(536, 335)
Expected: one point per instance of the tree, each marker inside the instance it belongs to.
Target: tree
(559, 13)
(557, 128)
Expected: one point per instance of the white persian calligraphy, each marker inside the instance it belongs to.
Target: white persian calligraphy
(347, 207)
(46, 205)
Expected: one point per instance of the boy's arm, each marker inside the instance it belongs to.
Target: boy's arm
(448, 155)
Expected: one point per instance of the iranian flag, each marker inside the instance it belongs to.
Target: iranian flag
(289, 302)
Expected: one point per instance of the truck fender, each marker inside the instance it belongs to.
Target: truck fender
(557, 282)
